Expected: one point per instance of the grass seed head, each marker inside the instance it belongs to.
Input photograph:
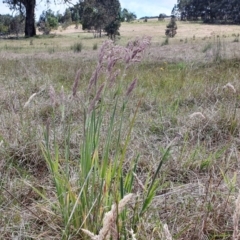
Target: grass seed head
(29, 100)
(196, 115)
(109, 229)
(230, 87)
(166, 232)
(76, 82)
(95, 76)
(131, 87)
(95, 99)
(52, 95)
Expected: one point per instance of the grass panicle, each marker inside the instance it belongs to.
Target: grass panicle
(76, 82)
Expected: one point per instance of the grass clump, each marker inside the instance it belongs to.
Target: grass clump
(77, 47)
(95, 46)
(207, 47)
(51, 50)
(166, 42)
(236, 39)
(102, 183)
(218, 50)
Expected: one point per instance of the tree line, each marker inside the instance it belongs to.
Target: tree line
(210, 11)
(100, 15)
(11, 24)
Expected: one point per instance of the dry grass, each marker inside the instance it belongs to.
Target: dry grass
(190, 100)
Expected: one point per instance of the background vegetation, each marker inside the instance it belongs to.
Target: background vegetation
(216, 11)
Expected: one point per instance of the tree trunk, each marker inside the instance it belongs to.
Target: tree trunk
(30, 29)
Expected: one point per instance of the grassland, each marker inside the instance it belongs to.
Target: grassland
(174, 135)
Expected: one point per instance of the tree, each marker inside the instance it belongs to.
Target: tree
(5, 21)
(171, 27)
(98, 14)
(11, 24)
(210, 11)
(77, 11)
(67, 18)
(17, 25)
(112, 28)
(127, 16)
(47, 21)
(161, 16)
(76, 17)
(26, 8)
(59, 17)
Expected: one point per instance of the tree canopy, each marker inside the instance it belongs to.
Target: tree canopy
(127, 16)
(47, 21)
(100, 14)
(212, 11)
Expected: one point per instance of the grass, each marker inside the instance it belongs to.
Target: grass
(207, 47)
(77, 47)
(95, 46)
(165, 42)
(69, 159)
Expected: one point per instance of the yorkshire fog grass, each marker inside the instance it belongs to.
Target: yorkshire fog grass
(121, 141)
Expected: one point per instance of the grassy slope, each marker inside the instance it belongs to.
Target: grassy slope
(198, 183)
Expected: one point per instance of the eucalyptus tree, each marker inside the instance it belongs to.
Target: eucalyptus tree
(26, 8)
(127, 16)
(99, 14)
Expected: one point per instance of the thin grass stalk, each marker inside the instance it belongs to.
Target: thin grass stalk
(58, 180)
(122, 157)
(105, 167)
(128, 183)
(61, 178)
(90, 145)
(128, 138)
(67, 150)
(152, 188)
(77, 201)
(119, 133)
(108, 140)
(105, 176)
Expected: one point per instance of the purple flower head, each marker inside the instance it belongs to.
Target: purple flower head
(52, 95)
(131, 87)
(95, 99)
(94, 77)
(76, 82)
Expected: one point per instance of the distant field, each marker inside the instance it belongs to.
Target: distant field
(192, 42)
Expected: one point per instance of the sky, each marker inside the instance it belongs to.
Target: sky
(140, 7)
